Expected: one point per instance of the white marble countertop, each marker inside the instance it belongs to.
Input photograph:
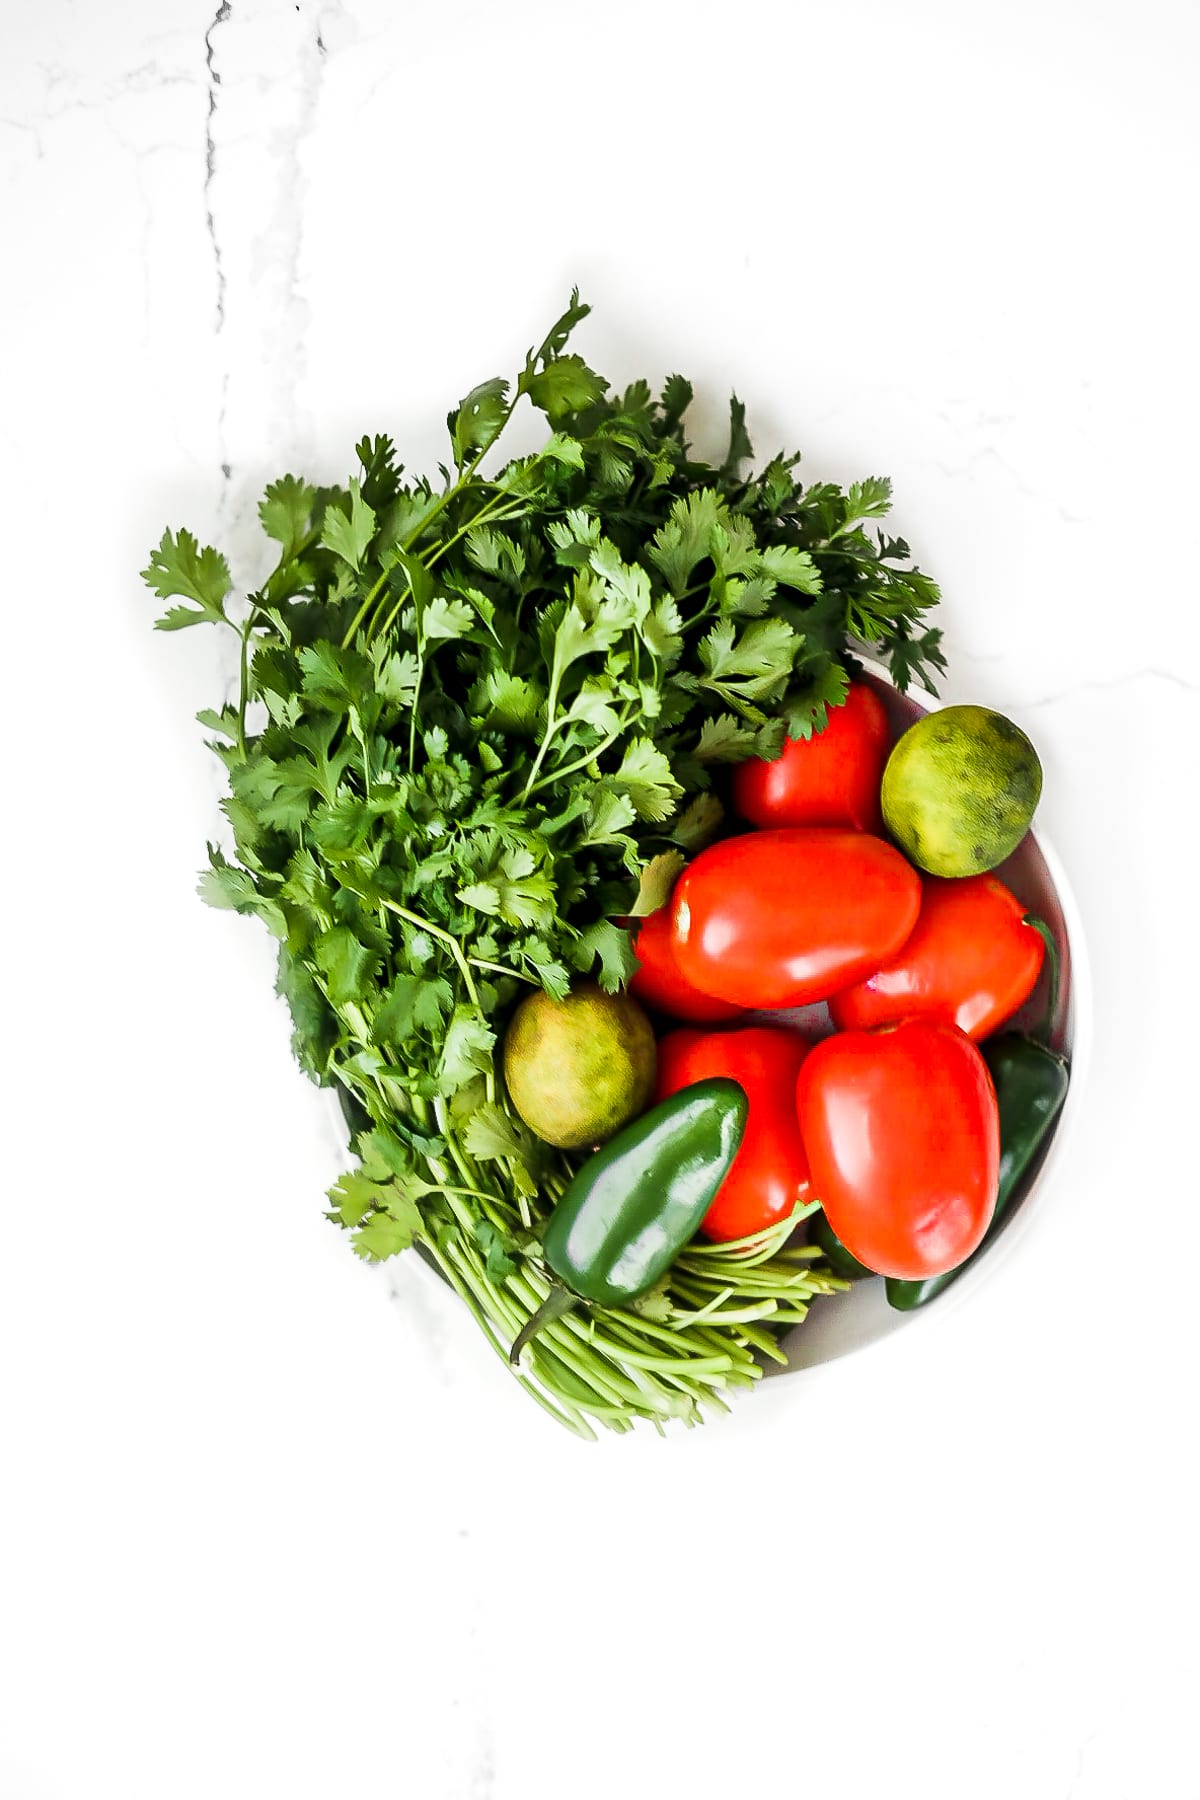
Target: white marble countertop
(273, 1523)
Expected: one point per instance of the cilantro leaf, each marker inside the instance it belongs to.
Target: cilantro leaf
(808, 711)
(565, 386)
(385, 1234)
(347, 965)
(444, 619)
(756, 664)
(565, 450)
(498, 1262)
(680, 545)
(466, 1050)
(609, 945)
(699, 823)
(314, 1024)
(285, 511)
(224, 886)
(555, 339)
(658, 878)
(740, 448)
(610, 816)
(491, 1135)
(396, 675)
(645, 777)
(349, 533)
(791, 568)
(352, 1196)
(333, 679)
(913, 656)
(478, 420)
(869, 499)
(724, 739)
(180, 566)
(676, 398)
(513, 701)
(662, 631)
(411, 1003)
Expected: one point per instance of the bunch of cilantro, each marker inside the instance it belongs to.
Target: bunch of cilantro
(479, 726)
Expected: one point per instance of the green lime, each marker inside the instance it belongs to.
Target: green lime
(580, 1068)
(960, 789)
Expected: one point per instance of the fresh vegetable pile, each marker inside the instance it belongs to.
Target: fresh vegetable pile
(496, 758)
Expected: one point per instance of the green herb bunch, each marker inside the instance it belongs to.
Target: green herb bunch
(479, 727)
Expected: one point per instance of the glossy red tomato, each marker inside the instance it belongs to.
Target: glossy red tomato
(782, 918)
(970, 961)
(902, 1132)
(658, 982)
(770, 1172)
(831, 778)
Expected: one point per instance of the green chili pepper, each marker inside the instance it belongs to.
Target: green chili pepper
(1031, 1084)
(630, 1209)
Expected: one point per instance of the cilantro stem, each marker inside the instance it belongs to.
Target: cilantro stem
(465, 962)
(466, 477)
(540, 758)
(471, 1193)
(580, 762)
(244, 680)
(481, 962)
(363, 610)
(488, 512)
(565, 1412)
(552, 725)
(412, 713)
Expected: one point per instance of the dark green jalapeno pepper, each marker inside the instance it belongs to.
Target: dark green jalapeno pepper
(630, 1209)
(1031, 1084)
(821, 1233)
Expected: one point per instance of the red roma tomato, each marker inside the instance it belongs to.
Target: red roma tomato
(781, 918)
(658, 983)
(903, 1138)
(969, 961)
(770, 1172)
(831, 778)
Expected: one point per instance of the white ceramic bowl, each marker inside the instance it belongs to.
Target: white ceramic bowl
(838, 1325)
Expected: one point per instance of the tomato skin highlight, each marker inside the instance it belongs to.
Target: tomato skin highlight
(782, 918)
(902, 1132)
(970, 961)
(659, 983)
(831, 778)
(770, 1173)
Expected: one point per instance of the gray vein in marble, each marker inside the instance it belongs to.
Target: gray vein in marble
(145, 78)
(1112, 681)
(963, 469)
(210, 153)
(290, 187)
(27, 130)
(210, 164)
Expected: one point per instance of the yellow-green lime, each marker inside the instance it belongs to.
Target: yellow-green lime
(960, 790)
(580, 1068)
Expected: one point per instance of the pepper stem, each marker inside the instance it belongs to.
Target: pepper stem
(1052, 957)
(557, 1302)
